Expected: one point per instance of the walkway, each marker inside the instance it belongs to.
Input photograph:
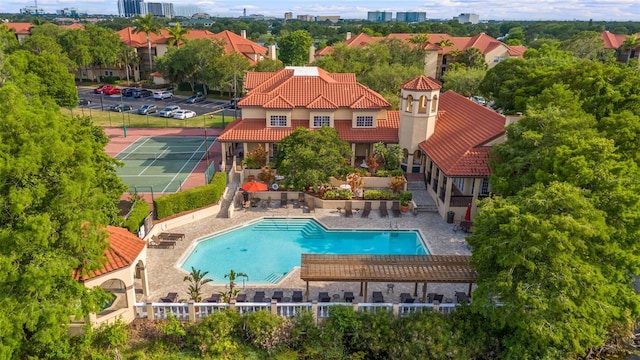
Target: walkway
(165, 276)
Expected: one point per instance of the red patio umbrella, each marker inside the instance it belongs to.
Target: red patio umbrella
(467, 215)
(254, 186)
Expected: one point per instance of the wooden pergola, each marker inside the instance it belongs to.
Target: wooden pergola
(388, 268)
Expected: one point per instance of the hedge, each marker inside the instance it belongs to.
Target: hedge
(191, 199)
(138, 213)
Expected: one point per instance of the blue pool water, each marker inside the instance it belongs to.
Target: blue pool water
(268, 249)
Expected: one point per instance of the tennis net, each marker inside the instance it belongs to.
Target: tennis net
(164, 155)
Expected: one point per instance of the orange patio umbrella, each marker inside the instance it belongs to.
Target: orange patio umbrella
(254, 186)
(467, 215)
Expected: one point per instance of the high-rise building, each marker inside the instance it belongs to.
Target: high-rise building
(129, 8)
(411, 17)
(379, 16)
(288, 15)
(32, 10)
(465, 18)
(185, 10)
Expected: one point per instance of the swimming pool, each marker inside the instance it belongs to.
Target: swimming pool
(268, 249)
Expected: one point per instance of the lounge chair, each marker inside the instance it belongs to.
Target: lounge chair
(258, 296)
(297, 296)
(406, 298)
(283, 199)
(170, 298)
(324, 297)
(301, 199)
(396, 209)
(277, 295)
(377, 297)
(241, 297)
(431, 297)
(367, 209)
(311, 204)
(348, 212)
(383, 209)
(213, 299)
(462, 297)
(348, 296)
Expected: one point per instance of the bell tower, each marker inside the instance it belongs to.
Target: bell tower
(418, 112)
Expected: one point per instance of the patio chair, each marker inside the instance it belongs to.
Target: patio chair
(324, 297)
(213, 299)
(348, 296)
(396, 209)
(462, 297)
(277, 296)
(367, 209)
(348, 212)
(301, 199)
(377, 297)
(297, 296)
(406, 298)
(431, 297)
(258, 296)
(311, 204)
(464, 226)
(242, 297)
(170, 298)
(283, 199)
(383, 209)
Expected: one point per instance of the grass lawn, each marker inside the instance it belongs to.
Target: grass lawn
(110, 118)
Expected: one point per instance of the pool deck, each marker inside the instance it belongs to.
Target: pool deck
(165, 276)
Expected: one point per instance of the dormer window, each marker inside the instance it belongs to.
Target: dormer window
(409, 107)
(364, 121)
(321, 120)
(278, 120)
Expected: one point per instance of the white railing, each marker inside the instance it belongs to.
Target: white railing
(193, 311)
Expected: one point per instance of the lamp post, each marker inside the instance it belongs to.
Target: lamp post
(206, 145)
(101, 105)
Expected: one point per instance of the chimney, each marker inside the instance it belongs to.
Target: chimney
(348, 35)
(312, 54)
(243, 33)
(272, 52)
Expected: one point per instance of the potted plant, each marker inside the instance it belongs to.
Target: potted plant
(405, 199)
(196, 279)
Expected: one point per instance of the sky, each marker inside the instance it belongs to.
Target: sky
(610, 10)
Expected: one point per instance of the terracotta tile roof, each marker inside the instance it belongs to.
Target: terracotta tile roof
(300, 86)
(20, 28)
(422, 83)
(613, 41)
(237, 43)
(123, 249)
(517, 50)
(463, 128)
(362, 39)
(322, 102)
(327, 50)
(254, 130)
(278, 102)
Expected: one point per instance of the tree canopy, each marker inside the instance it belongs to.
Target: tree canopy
(58, 189)
(311, 157)
(294, 48)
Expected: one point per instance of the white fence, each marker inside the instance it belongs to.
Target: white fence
(193, 311)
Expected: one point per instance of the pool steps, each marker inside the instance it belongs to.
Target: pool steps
(309, 229)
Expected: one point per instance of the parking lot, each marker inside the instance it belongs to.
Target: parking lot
(104, 102)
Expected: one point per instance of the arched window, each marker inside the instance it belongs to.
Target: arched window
(422, 106)
(409, 107)
(417, 157)
(434, 103)
(405, 155)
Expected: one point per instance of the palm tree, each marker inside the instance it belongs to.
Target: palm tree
(630, 42)
(177, 35)
(232, 276)
(126, 58)
(148, 25)
(196, 278)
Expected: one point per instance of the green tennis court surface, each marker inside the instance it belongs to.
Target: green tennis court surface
(161, 164)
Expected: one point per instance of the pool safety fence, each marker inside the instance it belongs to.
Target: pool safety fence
(193, 312)
(208, 174)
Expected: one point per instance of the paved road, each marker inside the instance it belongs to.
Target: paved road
(103, 102)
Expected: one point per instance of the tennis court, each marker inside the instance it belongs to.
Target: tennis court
(161, 164)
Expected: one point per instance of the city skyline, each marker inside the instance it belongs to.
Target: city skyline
(609, 10)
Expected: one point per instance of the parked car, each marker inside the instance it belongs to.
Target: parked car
(196, 98)
(142, 93)
(169, 110)
(161, 95)
(84, 102)
(111, 91)
(183, 114)
(233, 103)
(121, 107)
(128, 92)
(147, 109)
(479, 100)
(100, 89)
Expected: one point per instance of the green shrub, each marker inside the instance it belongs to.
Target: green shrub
(362, 172)
(374, 194)
(344, 194)
(216, 336)
(191, 199)
(397, 172)
(138, 213)
(383, 173)
(330, 195)
(265, 331)
(405, 195)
